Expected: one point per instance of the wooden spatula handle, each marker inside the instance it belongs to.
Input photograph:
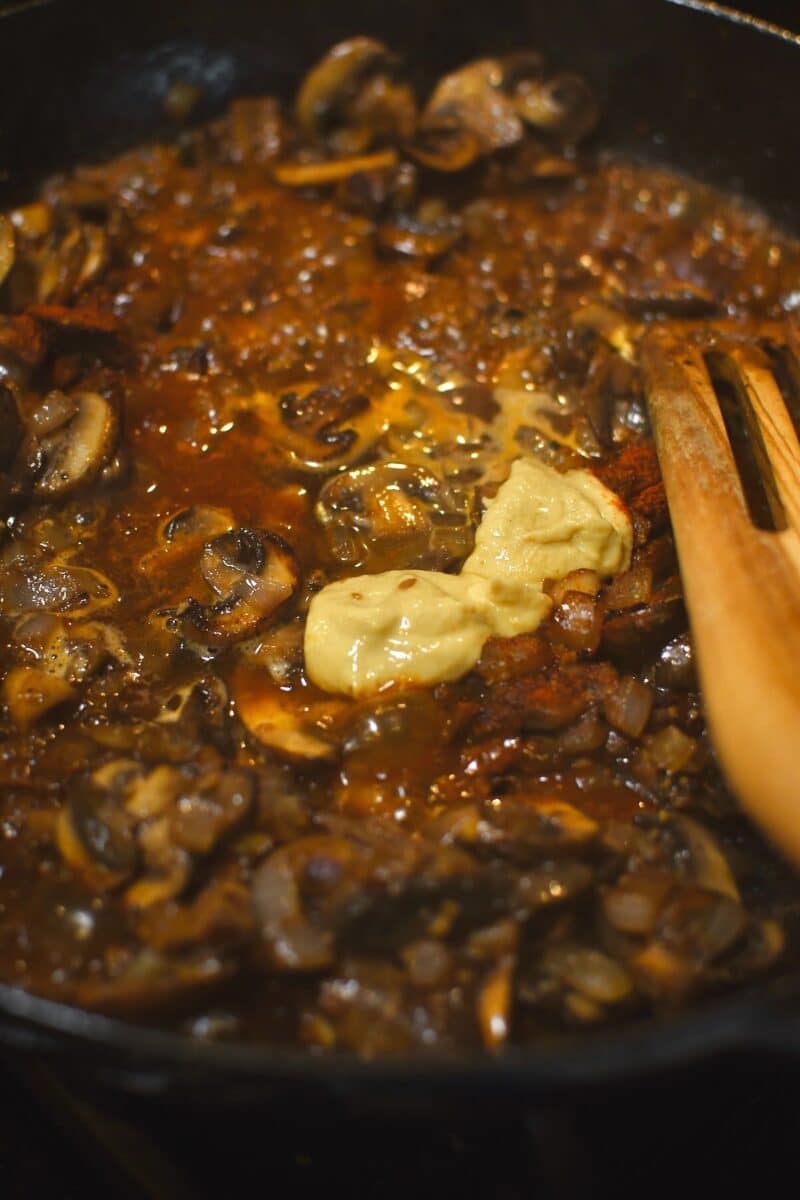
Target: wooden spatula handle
(742, 589)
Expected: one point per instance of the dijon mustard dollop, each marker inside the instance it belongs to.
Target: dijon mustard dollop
(428, 627)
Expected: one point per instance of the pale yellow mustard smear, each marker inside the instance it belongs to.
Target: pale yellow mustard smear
(427, 627)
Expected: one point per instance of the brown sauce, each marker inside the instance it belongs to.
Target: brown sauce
(546, 844)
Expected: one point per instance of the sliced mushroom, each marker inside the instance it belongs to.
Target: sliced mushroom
(193, 526)
(708, 866)
(632, 905)
(472, 99)
(150, 795)
(279, 651)
(50, 413)
(351, 99)
(207, 812)
(149, 980)
(553, 883)
(324, 868)
(58, 586)
(58, 265)
(97, 257)
(276, 719)
(444, 145)
(76, 452)
(221, 914)
(117, 776)
(7, 250)
(387, 512)
(95, 837)
(30, 692)
(70, 650)
(563, 106)
(700, 925)
(183, 533)
(251, 131)
(324, 427)
(520, 826)
(167, 867)
(204, 701)
(590, 972)
(254, 572)
(414, 237)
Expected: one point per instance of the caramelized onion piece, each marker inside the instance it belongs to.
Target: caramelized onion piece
(210, 810)
(630, 589)
(628, 706)
(589, 971)
(709, 866)
(579, 620)
(317, 174)
(252, 131)
(151, 981)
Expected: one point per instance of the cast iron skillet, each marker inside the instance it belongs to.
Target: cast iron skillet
(684, 83)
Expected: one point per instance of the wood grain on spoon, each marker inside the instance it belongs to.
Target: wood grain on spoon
(742, 584)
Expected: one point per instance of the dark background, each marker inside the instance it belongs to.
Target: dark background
(782, 12)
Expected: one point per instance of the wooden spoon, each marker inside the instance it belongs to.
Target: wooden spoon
(742, 582)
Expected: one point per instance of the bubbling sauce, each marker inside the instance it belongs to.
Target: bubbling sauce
(304, 346)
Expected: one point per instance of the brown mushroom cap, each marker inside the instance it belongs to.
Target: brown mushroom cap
(95, 837)
(332, 86)
(564, 106)
(373, 513)
(254, 572)
(472, 98)
(326, 427)
(298, 732)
